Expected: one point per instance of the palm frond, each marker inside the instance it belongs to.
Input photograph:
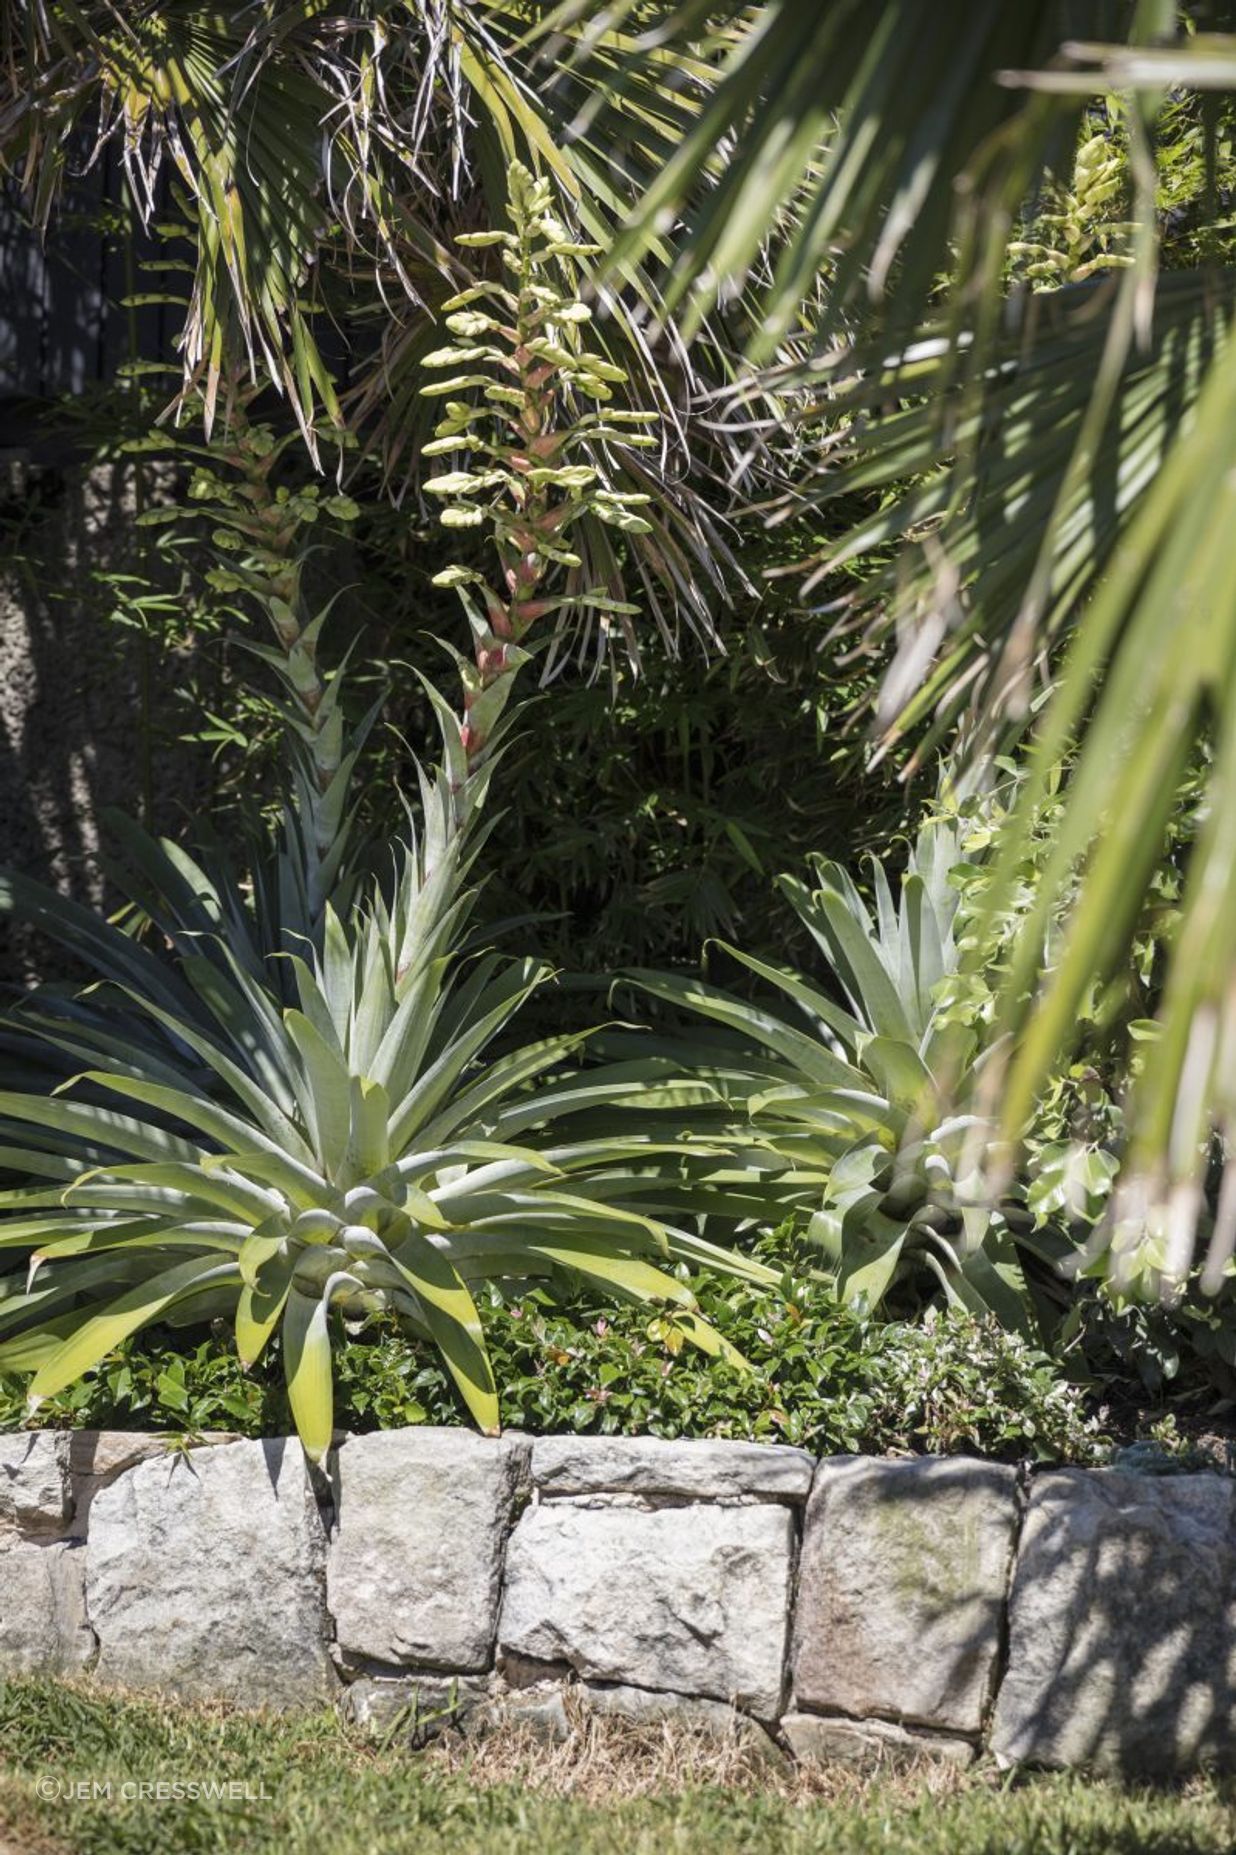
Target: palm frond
(247, 157)
(997, 513)
(1150, 672)
(1055, 485)
(323, 160)
(840, 135)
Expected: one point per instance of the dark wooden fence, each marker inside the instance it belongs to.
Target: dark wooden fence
(63, 324)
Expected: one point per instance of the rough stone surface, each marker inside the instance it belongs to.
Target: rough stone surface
(626, 1596)
(693, 1599)
(905, 1569)
(43, 1628)
(204, 1577)
(98, 1457)
(524, 1671)
(869, 1745)
(101, 1455)
(701, 1470)
(34, 1482)
(420, 1706)
(421, 1521)
(1122, 1637)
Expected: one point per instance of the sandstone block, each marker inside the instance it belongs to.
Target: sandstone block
(415, 1566)
(703, 1470)
(43, 1627)
(205, 1577)
(905, 1570)
(1122, 1629)
(691, 1599)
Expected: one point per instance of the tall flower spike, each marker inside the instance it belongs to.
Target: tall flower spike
(524, 425)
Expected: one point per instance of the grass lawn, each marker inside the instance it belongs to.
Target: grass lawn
(309, 1783)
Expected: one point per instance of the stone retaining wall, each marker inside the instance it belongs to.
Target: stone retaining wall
(853, 1608)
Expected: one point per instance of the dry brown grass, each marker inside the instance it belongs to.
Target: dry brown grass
(606, 1760)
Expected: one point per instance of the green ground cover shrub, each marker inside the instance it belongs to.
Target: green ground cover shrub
(821, 1376)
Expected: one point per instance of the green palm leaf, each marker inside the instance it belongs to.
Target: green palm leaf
(323, 158)
(841, 134)
(999, 541)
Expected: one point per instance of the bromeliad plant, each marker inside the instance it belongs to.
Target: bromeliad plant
(867, 1105)
(327, 1120)
(377, 1145)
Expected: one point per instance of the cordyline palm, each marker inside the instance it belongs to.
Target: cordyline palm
(1053, 467)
